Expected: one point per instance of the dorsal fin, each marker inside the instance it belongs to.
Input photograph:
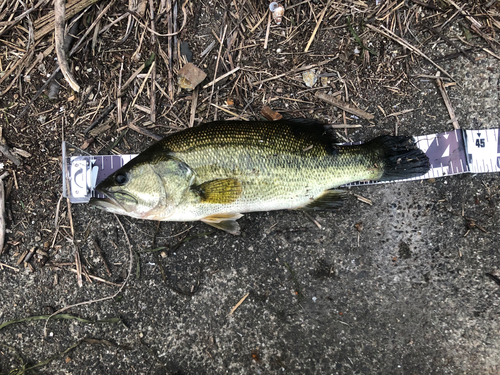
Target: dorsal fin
(291, 135)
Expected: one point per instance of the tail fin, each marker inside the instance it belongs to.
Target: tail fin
(401, 157)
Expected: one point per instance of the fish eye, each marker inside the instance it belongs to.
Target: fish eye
(121, 179)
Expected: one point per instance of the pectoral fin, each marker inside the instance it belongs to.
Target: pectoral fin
(226, 222)
(329, 200)
(222, 191)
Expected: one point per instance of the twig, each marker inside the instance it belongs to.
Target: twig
(491, 53)
(194, 104)
(73, 50)
(345, 126)
(228, 111)
(78, 264)
(312, 219)
(105, 114)
(142, 85)
(45, 24)
(2, 212)
(322, 14)
(38, 93)
(144, 132)
(169, 50)
(239, 303)
(404, 43)
(344, 106)
(217, 66)
(131, 78)
(97, 278)
(56, 224)
(153, 72)
(12, 268)
(364, 200)
(447, 102)
(400, 112)
(26, 13)
(59, 23)
(430, 6)
(20, 63)
(169, 34)
(5, 150)
(101, 255)
(257, 24)
(90, 28)
(104, 298)
(221, 77)
(119, 117)
(267, 30)
(15, 180)
(466, 14)
(293, 71)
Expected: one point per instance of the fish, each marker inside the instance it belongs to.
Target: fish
(217, 171)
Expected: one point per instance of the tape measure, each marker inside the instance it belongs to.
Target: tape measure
(455, 152)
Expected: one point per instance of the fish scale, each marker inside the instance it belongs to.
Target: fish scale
(277, 169)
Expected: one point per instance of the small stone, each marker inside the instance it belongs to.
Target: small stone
(310, 77)
(190, 76)
(41, 68)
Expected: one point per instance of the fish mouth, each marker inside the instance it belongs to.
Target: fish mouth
(111, 203)
(106, 204)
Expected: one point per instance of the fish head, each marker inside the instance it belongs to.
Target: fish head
(146, 189)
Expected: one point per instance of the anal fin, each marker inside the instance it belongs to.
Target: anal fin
(329, 200)
(226, 222)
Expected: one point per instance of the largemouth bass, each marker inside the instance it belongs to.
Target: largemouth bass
(217, 171)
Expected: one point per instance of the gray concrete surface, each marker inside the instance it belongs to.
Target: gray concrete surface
(407, 294)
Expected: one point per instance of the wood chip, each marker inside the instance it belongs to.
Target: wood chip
(363, 199)
(270, 114)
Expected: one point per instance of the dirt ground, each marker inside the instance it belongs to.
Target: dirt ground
(407, 285)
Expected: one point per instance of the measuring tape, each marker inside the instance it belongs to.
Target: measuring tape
(455, 152)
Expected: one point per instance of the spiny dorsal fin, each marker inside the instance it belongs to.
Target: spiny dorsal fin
(329, 200)
(226, 222)
(221, 191)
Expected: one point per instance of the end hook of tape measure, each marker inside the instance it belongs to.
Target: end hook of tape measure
(79, 174)
(82, 172)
